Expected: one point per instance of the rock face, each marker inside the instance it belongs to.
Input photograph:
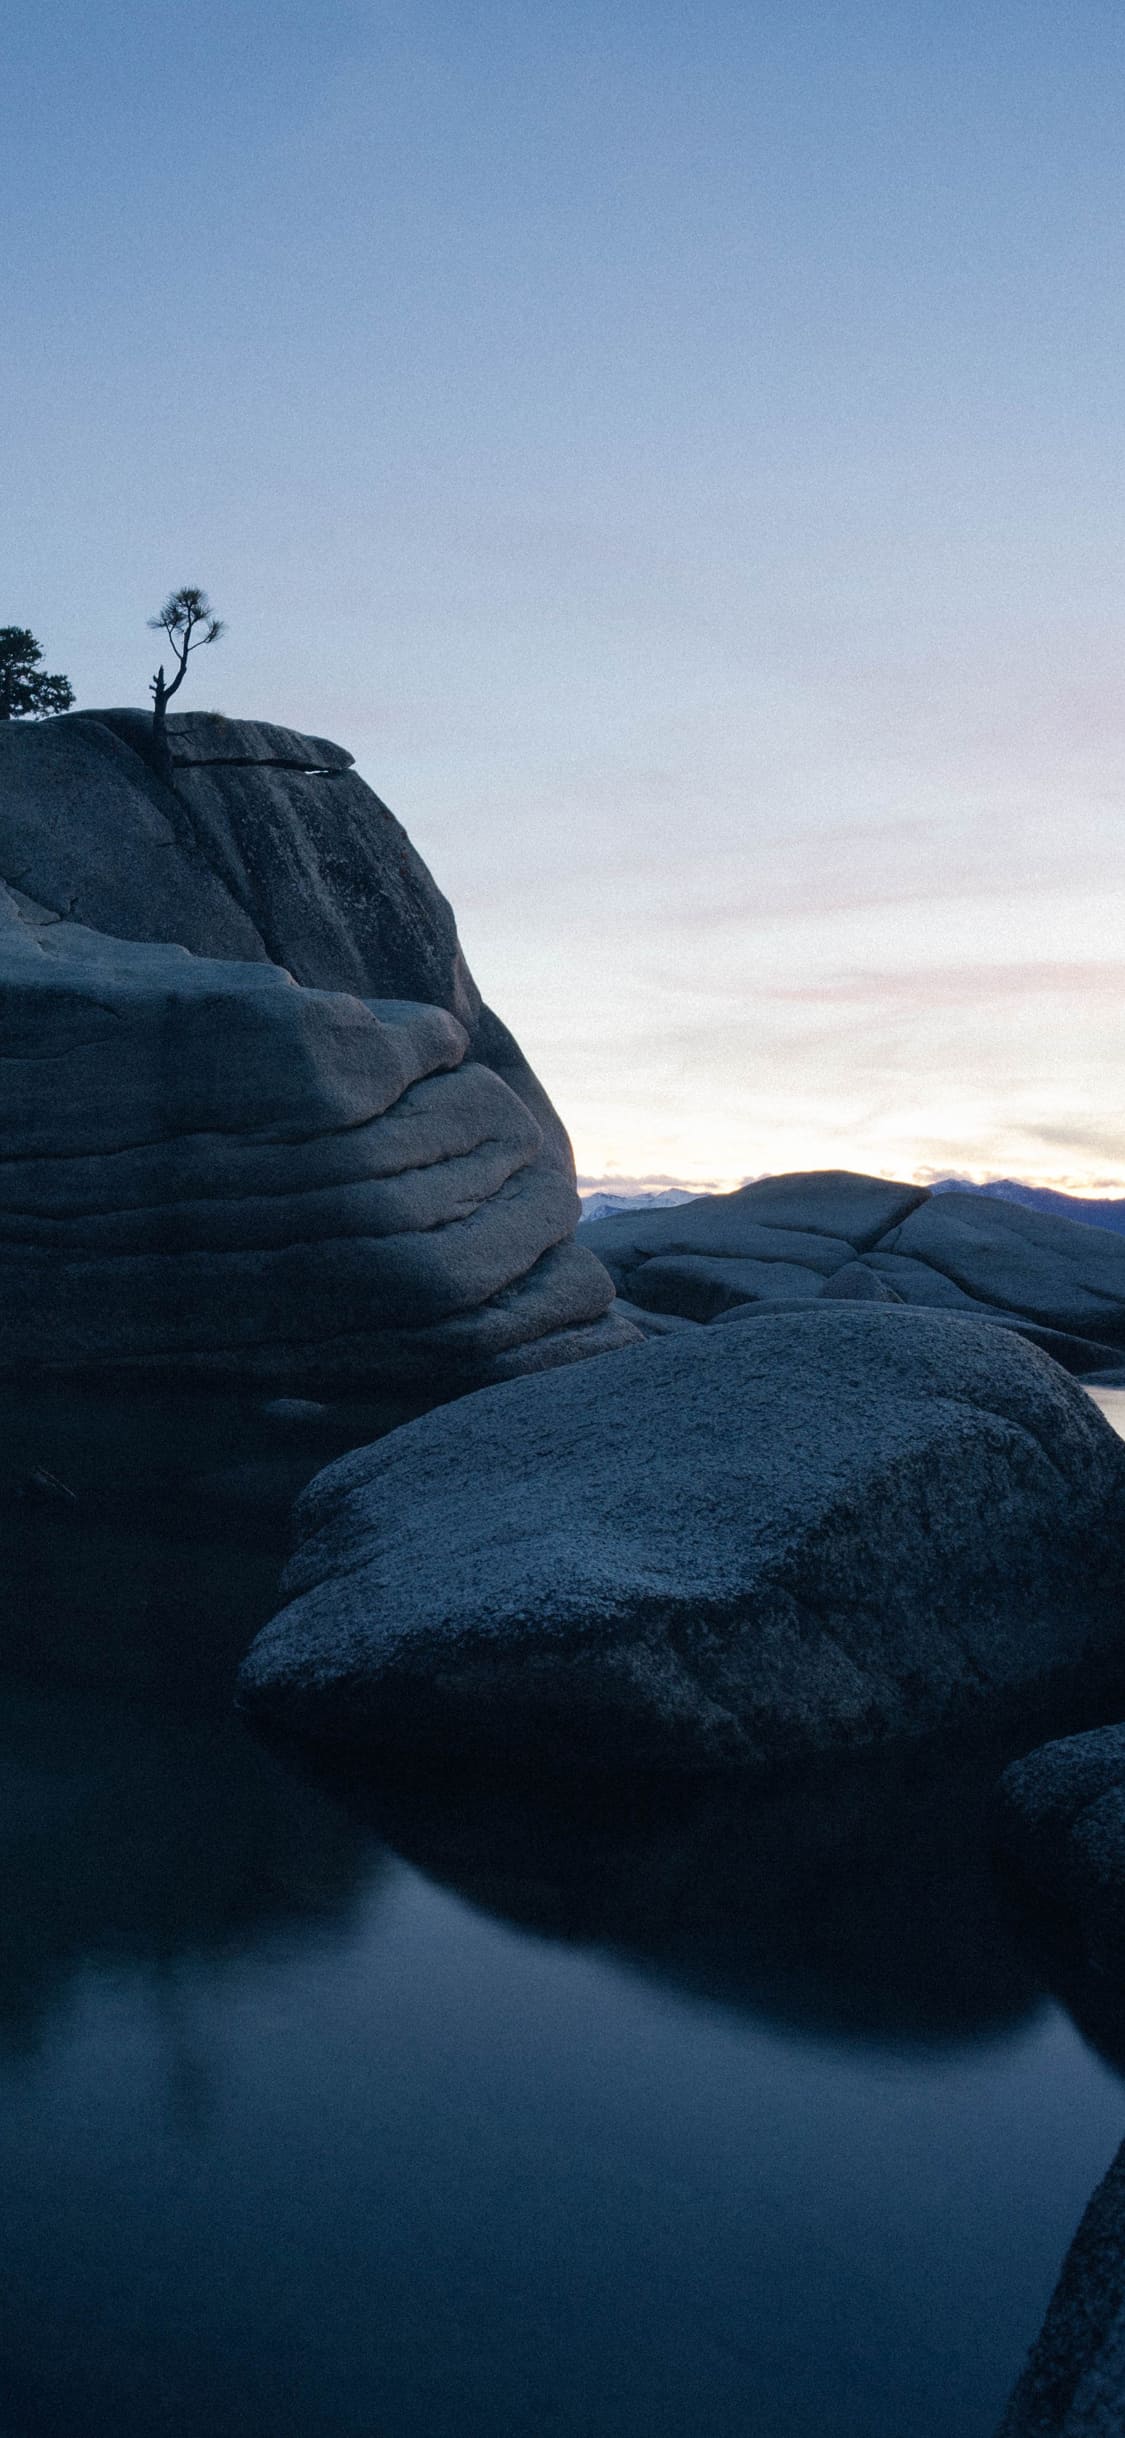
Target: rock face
(1074, 2383)
(788, 1240)
(733, 1547)
(257, 1122)
(1062, 1819)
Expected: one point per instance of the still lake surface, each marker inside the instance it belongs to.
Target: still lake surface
(431, 2110)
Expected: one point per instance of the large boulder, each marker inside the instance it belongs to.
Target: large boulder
(733, 1547)
(258, 1125)
(1074, 2382)
(834, 1236)
(1061, 1818)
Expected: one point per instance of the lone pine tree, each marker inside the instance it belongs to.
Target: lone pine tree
(183, 612)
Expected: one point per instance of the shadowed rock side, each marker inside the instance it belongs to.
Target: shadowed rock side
(256, 1122)
(836, 1236)
(740, 1547)
(1061, 1818)
(1074, 2383)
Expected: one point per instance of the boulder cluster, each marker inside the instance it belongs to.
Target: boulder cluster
(836, 1490)
(260, 1132)
(784, 1242)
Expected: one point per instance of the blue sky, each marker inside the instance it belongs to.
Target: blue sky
(679, 451)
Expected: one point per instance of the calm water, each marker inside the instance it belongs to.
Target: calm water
(442, 2111)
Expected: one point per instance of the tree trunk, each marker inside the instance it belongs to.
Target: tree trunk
(161, 750)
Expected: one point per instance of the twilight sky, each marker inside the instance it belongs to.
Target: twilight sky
(679, 449)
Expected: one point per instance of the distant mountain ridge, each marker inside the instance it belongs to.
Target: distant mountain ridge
(603, 1205)
(1104, 1212)
(1101, 1213)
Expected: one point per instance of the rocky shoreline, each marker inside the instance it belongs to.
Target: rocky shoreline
(275, 1178)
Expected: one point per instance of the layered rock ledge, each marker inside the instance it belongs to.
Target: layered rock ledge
(257, 1123)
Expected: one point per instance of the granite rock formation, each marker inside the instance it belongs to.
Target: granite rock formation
(1062, 1821)
(257, 1124)
(1074, 2383)
(788, 1240)
(740, 1547)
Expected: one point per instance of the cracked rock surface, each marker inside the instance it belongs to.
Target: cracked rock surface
(257, 1124)
(746, 1547)
(832, 1235)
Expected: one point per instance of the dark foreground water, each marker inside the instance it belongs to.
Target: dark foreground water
(427, 2110)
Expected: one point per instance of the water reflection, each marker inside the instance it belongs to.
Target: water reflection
(138, 1823)
(864, 1907)
(1094, 2000)
(294, 2141)
(131, 1836)
(140, 1818)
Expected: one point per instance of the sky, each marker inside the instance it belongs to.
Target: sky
(678, 449)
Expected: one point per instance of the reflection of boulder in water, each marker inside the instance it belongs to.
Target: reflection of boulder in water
(862, 1906)
(138, 1822)
(136, 1838)
(1091, 1996)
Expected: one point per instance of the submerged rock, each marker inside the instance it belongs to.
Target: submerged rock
(831, 1235)
(1074, 2383)
(739, 1547)
(258, 1126)
(1062, 1820)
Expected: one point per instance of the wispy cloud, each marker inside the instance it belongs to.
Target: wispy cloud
(1106, 1142)
(960, 985)
(615, 1181)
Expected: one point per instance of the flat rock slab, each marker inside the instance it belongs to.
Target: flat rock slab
(1062, 1820)
(834, 1235)
(1074, 2383)
(206, 736)
(733, 1547)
